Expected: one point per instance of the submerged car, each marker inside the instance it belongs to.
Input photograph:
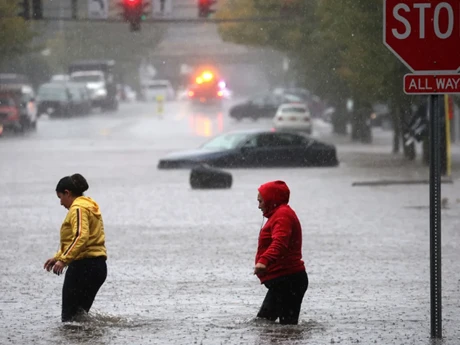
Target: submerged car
(255, 149)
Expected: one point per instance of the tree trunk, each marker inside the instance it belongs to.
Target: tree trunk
(340, 118)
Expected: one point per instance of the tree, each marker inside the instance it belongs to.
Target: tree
(337, 46)
(15, 33)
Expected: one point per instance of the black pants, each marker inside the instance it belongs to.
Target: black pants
(81, 284)
(284, 298)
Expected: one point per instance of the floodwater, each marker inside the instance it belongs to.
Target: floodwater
(180, 260)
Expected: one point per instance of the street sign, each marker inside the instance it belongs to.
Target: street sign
(424, 84)
(98, 9)
(424, 34)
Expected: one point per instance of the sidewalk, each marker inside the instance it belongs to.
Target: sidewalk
(378, 155)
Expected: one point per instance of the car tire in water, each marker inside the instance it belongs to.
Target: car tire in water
(205, 177)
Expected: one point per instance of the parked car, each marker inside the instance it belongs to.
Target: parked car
(261, 106)
(81, 97)
(293, 117)
(63, 99)
(9, 113)
(255, 149)
(19, 111)
(158, 88)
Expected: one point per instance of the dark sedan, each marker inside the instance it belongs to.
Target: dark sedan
(262, 106)
(63, 99)
(255, 149)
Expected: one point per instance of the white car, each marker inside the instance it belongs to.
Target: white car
(158, 88)
(293, 116)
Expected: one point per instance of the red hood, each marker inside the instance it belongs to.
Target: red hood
(274, 194)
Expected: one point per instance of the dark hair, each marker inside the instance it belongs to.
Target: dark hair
(76, 184)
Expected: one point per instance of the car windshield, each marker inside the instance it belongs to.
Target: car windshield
(52, 94)
(226, 141)
(297, 110)
(87, 78)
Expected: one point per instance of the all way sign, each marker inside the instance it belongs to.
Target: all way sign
(422, 84)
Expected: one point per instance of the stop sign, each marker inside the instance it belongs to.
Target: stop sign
(424, 34)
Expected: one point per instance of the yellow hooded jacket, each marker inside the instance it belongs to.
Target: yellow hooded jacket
(82, 232)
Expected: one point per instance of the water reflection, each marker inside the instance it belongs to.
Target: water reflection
(205, 125)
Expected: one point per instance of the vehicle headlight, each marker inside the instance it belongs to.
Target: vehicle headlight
(100, 92)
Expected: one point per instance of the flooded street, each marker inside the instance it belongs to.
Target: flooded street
(180, 261)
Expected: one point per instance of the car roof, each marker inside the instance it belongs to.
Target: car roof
(91, 72)
(259, 131)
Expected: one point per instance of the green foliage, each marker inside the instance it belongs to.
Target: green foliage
(336, 45)
(15, 33)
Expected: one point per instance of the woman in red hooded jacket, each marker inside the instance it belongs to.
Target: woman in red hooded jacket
(278, 263)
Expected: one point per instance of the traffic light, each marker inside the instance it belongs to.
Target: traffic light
(204, 8)
(37, 9)
(24, 9)
(134, 13)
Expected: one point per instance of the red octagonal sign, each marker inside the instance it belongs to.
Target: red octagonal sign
(424, 34)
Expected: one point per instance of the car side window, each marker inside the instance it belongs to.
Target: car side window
(279, 140)
(250, 143)
(266, 140)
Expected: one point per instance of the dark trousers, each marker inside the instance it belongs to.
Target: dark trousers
(284, 298)
(81, 284)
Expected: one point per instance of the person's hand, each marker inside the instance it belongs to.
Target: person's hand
(260, 268)
(59, 267)
(49, 264)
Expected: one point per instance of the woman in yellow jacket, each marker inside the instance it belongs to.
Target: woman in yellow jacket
(82, 248)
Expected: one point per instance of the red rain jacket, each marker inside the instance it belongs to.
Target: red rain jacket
(280, 239)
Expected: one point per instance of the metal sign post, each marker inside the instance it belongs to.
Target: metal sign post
(412, 30)
(435, 216)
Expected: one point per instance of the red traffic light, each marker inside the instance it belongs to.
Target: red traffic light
(134, 11)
